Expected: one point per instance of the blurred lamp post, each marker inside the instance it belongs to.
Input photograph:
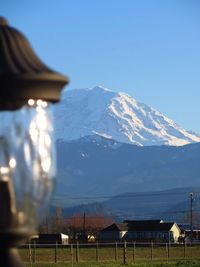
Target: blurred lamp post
(27, 166)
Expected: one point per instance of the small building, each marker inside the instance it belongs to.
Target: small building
(91, 238)
(152, 230)
(114, 232)
(189, 236)
(52, 239)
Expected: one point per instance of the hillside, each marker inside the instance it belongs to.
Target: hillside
(99, 166)
(169, 205)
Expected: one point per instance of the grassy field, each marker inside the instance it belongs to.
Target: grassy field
(107, 264)
(101, 256)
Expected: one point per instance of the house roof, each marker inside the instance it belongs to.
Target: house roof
(116, 227)
(144, 221)
(145, 225)
(149, 225)
(187, 227)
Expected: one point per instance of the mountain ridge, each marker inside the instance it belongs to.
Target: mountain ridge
(171, 205)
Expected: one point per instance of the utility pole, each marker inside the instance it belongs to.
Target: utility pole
(84, 228)
(191, 213)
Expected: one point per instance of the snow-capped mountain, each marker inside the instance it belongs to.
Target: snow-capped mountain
(100, 111)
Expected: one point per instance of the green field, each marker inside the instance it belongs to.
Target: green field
(107, 264)
(109, 256)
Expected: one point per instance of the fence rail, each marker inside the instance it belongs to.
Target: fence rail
(101, 252)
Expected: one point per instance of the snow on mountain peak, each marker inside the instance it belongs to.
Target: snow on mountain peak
(83, 112)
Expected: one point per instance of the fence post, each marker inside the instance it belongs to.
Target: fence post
(77, 251)
(72, 255)
(151, 250)
(167, 252)
(97, 251)
(116, 252)
(134, 251)
(169, 244)
(56, 246)
(125, 253)
(184, 249)
(34, 251)
(30, 254)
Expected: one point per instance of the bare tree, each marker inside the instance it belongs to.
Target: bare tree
(82, 225)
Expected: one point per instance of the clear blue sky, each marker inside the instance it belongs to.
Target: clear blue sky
(147, 48)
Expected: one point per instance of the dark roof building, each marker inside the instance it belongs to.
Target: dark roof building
(114, 232)
(142, 231)
(116, 227)
(152, 230)
(58, 238)
(143, 225)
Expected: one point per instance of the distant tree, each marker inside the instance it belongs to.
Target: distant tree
(74, 225)
(44, 226)
(82, 225)
(95, 224)
(53, 223)
(57, 221)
